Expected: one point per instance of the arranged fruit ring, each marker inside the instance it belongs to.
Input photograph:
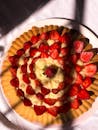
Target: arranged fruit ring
(51, 73)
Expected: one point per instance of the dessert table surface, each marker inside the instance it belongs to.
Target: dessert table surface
(83, 11)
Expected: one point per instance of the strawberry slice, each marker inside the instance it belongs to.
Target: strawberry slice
(40, 96)
(27, 45)
(27, 102)
(44, 55)
(26, 60)
(61, 60)
(20, 52)
(33, 51)
(78, 46)
(13, 71)
(43, 36)
(61, 86)
(79, 79)
(31, 66)
(30, 90)
(13, 60)
(39, 110)
(15, 82)
(90, 70)
(74, 90)
(45, 91)
(54, 35)
(53, 111)
(65, 39)
(38, 83)
(32, 75)
(24, 68)
(55, 91)
(78, 68)
(86, 56)
(20, 93)
(83, 94)
(26, 78)
(55, 45)
(64, 51)
(34, 39)
(75, 104)
(87, 82)
(43, 47)
(54, 54)
(50, 101)
(74, 58)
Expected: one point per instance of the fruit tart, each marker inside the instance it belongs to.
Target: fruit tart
(50, 74)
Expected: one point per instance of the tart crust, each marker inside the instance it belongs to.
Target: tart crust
(28, 112)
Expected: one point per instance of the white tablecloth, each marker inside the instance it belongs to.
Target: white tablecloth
(65, 9)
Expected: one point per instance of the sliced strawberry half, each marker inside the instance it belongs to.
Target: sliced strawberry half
(40, 96)
(74, 89)
(13, 71)
(54, 35)
(75, 104)
(55, 91)
(64, 51)
(27, 102)
(65, 39)
(38, 83)
(83, 94)
(55, 45)
(15, 82)
(87, 82)
(25, 78)
(86, 56)
(34, 39)
(39, 110)
(30, 90)
(78, 46)
(45, 91)
(32, 75)
(20, 52)
(50, 101)
(53, 111)
(33, 51)
(43, 47)
(44, 36)
(90, 70)
(74, 58)
(78, 68)
(14, 60)
(27, 45)
(44, 55)
(79, 78)
(20, 93)
(24, 68)
(54, 54)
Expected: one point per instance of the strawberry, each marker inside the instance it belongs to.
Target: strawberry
(27, 45)
(31, 66)
(13, 71)
(64, 51)
(20, 93)
(40, 96)
(83, 94)
(60, 60)
(50, 71)
(14, 60)
(27, 102)
(78, 68)
(43, 36)
(54, 35)
(90, 70)
(78, 46)
(87, 82)
(86, 56)
(24, 68)
(43, 47)
(75, 104)
(79, 79)
(54, 54)
(44, 55)
(26, 60)
(55, 91)
(74, 58)
(55, 45)
(20, 52)
(15, 82)
(26, 78)
(45, 91)
(35, 59)
(34, 39)
(61, 86)
(33, 51)
(53, 110)
(39, 110)
(74, 90)
(30, 90)
(32, 75)
(38, 83)
(50, 101)
(64, 39)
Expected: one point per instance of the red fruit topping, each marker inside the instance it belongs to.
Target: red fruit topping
(20, 52)
(44, 55)
(34, 39)
(64, 39)
(61, 86)
(26, 59)
(53, 110)
(33, 51)
(54, 35)
(24, 68)
(55, 91)
(74, 58)
(31, 66)
(14, 60)
(26, 78)
(60, 60)
(90, 70)
(50, 101)
(86, 56)
(13, 71)
(43, 47)
(87, 82)
(79, 79)
(54, 54)
(78, 46)
(75, 104)
(78, 68)
(40, 96)
(50, 71)
(55, 45)
(20, 93)
(32, 75)
(27, 45)
(30, 90)
(74, 90)
(39, 110)
(83, 94)
(15, 82)
(27, 102)
(35, 59)
(45, 91)
(43, 36)
(64, 51)
(38, 83)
